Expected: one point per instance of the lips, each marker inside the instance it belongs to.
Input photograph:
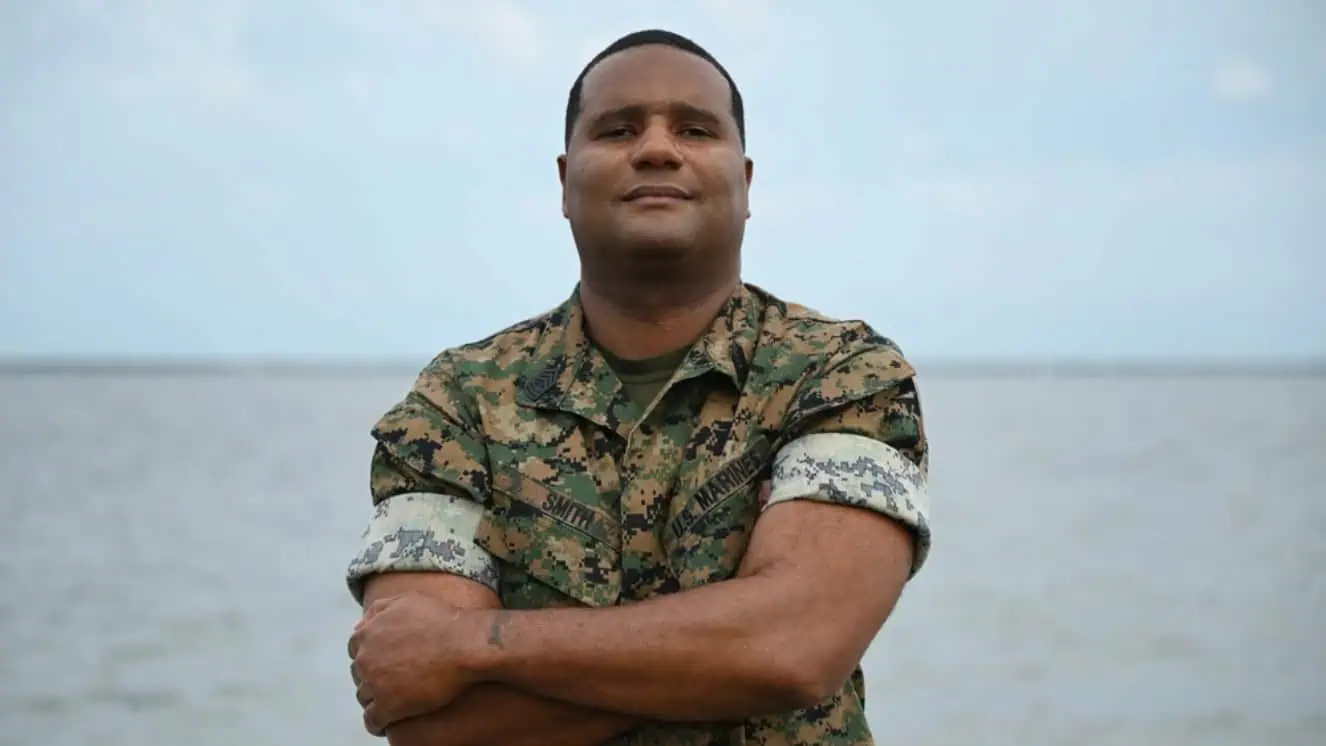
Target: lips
(660, 191)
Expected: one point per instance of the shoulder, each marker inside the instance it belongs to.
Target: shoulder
(492, 364)
(445, 398)
(804, 346)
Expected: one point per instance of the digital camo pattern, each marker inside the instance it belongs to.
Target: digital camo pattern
(855, 470)
(590, 501)
(423, 532)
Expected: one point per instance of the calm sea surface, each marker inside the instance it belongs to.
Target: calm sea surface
(1117, 561)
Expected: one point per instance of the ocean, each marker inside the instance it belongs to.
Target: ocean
(1117, 560)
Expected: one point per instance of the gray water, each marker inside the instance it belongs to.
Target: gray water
(1117, 561)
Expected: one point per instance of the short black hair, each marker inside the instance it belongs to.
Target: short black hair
(640, 39)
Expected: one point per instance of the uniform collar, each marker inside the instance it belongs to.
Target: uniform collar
(569, 374)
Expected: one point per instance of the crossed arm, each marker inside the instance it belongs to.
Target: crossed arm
(490, 713)
(420, 540)
(761, 643)
(819, 578)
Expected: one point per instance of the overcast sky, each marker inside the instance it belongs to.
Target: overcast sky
(1026, 179)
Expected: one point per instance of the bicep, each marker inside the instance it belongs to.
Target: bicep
(842, 519)
(869, 454)
(833, 555)
(835, 573)
(846, 522)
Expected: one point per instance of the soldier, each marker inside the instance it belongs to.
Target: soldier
(676, 509)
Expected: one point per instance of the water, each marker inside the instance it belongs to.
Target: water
(1117, 561)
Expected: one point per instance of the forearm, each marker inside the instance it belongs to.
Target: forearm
(495, 714)
(724, 651)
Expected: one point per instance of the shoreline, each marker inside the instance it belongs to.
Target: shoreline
(337, 367)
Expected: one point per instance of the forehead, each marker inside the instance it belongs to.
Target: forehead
(654, 74)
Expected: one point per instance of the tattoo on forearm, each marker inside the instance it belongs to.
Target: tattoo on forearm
(495, 632)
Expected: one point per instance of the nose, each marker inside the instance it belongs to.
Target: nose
(656, 148)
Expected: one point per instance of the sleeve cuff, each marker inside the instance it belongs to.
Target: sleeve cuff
(423, 532)
(855, 470)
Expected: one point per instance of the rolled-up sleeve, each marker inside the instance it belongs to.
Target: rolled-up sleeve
(858, 438)
(429, 484)
(417, 531)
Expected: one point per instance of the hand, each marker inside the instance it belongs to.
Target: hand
(405, 659)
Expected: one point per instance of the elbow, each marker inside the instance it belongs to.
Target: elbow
(788, 666)
(805, 688)
(798, 675)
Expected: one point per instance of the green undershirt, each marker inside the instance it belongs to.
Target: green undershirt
(643, 379)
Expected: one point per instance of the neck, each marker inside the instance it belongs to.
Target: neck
(638, 322)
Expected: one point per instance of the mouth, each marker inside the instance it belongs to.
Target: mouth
(653, 193)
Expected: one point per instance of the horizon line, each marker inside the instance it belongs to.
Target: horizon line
(204, 365)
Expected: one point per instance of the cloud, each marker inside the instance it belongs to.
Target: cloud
(1240, 81)
(162, 49)
(745, 17)
(511, 32)
(337, 149)
(1083, 237)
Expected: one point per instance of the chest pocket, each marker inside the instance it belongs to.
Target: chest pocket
(567, 545)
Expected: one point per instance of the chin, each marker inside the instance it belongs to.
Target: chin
(657, 241)
(657, 251)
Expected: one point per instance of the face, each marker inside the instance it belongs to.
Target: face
(655, 174)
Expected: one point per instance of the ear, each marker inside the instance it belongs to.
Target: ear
(750, 176)
(561, 176)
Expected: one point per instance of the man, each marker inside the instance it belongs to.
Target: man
(674, 510)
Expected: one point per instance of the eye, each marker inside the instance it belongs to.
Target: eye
(692, 130)
(612, 133)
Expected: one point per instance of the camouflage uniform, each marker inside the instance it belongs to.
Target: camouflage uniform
(532, 464)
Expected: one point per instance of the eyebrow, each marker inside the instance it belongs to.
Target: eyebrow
(676, 109)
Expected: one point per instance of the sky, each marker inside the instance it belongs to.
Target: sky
(1017, 181)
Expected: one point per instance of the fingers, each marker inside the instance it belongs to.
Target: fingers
(364, 696)
(373, 715)
(362, 692)
(372, 723)
(352, 646)
(373, 609)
